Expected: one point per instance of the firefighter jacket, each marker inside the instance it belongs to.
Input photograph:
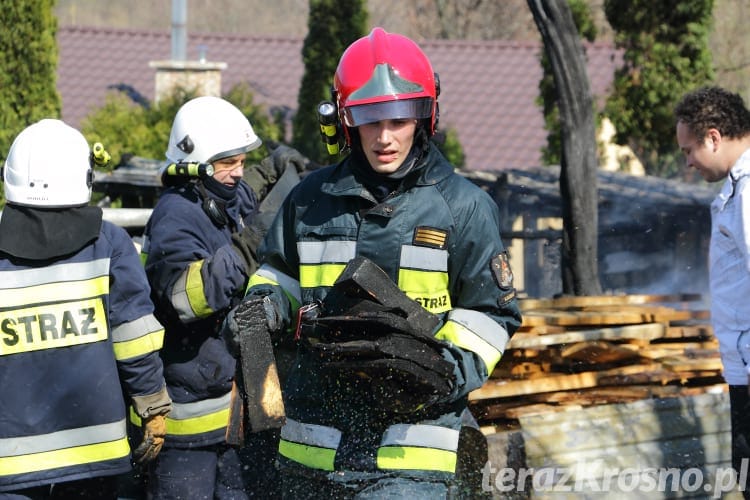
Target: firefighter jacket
(196, 277)
(75, 333)
(438, 238)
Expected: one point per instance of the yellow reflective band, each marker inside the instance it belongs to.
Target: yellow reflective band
(429, 288)
(54, 292)
(255, 279)
(194, 289)
(198, 425)
(466, 339)
(261, 280)
(411, 458)
(65, 457)
(52, 326)
(144, 249)
(315, 275)
(139, 346)
(309, 456)
(190, 426)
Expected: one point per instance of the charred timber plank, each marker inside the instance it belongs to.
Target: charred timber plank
(685, 363)
(597, 352)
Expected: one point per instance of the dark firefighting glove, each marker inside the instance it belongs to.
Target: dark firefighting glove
(263, 176)
(239, 318)
(154, 431)
(246, 243)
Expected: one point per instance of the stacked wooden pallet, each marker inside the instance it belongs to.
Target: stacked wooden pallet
(583, 351)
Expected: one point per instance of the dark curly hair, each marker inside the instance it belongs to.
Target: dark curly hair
(714, 107)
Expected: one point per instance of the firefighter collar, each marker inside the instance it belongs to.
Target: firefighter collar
(42, 234)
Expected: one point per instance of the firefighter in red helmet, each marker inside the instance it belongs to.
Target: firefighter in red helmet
(389, 269)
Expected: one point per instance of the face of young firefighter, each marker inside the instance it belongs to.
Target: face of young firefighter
(386, 143)
(228, 170)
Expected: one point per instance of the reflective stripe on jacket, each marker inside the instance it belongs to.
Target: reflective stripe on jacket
(73, 335)
(402, 446)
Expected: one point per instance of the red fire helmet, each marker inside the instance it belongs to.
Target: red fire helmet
(384, 76)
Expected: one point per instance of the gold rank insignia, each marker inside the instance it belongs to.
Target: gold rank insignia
(430, 237)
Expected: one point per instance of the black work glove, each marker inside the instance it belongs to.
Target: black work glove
(282, 156)
(230, 333)
(243, 314)
(263, 176)
(246, 243)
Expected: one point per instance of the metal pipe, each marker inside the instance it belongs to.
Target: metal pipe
(179, 30)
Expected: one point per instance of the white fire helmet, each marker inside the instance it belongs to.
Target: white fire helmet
(48, 166)
(206, 129)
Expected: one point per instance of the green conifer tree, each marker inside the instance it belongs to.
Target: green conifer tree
(28, 67)
(666, 53)
(332, 26)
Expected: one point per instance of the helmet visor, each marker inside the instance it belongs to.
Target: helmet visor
(354, 116)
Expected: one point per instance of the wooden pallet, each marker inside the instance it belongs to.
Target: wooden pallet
(575, 352)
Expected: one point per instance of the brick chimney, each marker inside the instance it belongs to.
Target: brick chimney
(201, 76)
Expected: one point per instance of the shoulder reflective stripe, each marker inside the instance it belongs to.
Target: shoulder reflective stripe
(321, 252)
(408, 458)
(19, 455)
(270, 275)
(188, 297)
(138, 337)
(309, 444)
(59, 291)
(53, 326)
(418, 447)
(319, 275)
(476, 332)
(426, 259)
(74, 271)
(421, 435)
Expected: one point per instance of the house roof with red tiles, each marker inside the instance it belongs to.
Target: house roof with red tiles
(488, 88)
